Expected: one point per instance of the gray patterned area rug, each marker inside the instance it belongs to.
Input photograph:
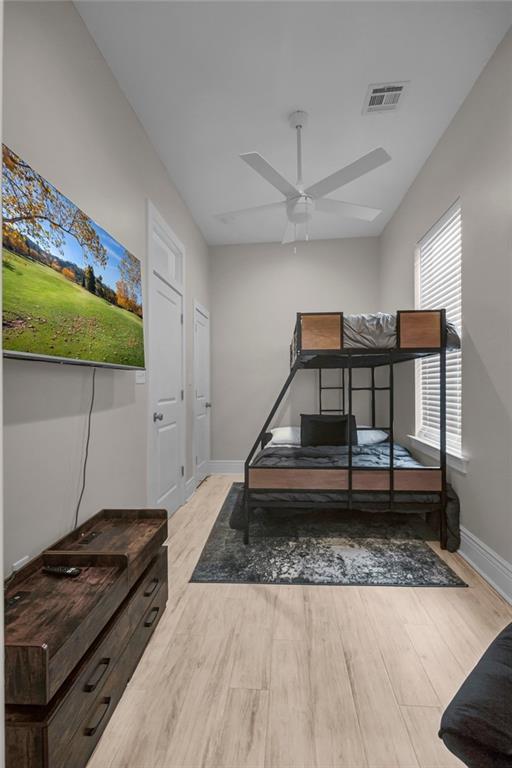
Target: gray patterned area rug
(324, 547)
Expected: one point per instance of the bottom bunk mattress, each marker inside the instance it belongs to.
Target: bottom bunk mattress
(375, 456)
(327, 456)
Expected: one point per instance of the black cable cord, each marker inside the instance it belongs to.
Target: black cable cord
(88, 439)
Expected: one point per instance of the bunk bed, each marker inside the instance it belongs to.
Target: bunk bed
(382, 477)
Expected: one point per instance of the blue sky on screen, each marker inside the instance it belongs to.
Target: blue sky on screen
(72, 251)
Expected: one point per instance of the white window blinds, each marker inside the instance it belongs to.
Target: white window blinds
(438, 286)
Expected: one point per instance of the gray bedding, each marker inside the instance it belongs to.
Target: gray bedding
(335, 456)
(378, 330)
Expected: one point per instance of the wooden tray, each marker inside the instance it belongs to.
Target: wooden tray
(136, 533)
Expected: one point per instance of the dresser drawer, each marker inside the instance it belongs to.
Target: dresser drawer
(91, 676)
(142, 634)
(90, 730)
(83, 742)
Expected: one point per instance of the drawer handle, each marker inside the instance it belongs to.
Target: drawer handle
(95, 678)
(152, 614)
(153, 584)
(105, 704)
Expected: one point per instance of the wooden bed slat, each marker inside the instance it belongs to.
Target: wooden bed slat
(419, 329)
(314, 479)
(377, 480)
(424, 479)
(322, 331)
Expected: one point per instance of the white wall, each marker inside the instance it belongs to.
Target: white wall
(65, 115)
(473, 161)
(256, 292)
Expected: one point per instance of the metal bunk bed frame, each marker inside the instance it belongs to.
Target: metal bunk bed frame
(419, 333)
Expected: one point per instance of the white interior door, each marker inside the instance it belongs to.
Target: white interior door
(202, 404)
(166, 440)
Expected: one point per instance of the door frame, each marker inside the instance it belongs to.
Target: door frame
(206, 313)
(157, 223)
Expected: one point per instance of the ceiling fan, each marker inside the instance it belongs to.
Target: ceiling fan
(300, 203)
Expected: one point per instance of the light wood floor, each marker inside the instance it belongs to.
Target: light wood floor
(242, 676)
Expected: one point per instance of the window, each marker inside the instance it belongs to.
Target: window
(438, 286)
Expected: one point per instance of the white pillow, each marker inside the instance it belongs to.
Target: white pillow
(371, 436)
(285, 436)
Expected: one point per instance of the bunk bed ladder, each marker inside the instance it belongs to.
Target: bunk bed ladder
(340, 388)
(349, 430)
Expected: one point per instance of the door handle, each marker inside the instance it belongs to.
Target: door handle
(207, 405)
(158, 416)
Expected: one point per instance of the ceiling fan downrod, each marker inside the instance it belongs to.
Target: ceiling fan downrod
(298, 121)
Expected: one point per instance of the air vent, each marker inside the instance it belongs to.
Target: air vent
(384, 97)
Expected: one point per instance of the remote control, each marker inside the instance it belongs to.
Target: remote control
(15, 599)
(62, 570)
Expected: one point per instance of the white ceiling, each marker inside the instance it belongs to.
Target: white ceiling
(212, 80)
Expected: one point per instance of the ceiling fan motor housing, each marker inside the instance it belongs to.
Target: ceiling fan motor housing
(300, 209)
(298, 119)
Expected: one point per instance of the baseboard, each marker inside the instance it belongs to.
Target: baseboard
(190, 487)
(227, 467)
(490, 565)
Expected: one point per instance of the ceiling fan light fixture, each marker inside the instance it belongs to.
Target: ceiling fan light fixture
(300, 209)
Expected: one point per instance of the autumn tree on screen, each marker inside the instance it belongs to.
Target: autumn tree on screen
(34, 208)
(124, 296)
(128, 288)
(129, 269)
(69, 273)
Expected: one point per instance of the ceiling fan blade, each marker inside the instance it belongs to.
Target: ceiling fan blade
(260, 165)
(233, 215)
(289, 234)
(346, 210)
(350, 172)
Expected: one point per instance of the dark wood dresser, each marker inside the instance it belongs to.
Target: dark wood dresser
(72, 644)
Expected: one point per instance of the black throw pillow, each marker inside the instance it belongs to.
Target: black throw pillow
(319, 429)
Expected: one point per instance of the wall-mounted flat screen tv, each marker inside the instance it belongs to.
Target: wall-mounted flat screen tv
(71, 292)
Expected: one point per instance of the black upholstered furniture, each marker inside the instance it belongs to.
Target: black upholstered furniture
(477, 724)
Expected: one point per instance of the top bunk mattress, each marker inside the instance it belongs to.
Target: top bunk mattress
(378, 330)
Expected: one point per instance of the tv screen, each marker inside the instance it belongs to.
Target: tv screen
(71, 292)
